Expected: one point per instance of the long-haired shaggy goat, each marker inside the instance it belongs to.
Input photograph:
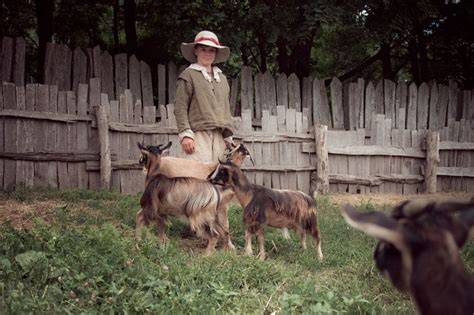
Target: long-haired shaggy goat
(418, 251)
(265, 206)
(194, 199)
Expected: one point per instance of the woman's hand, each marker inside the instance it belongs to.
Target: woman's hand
(187, 145)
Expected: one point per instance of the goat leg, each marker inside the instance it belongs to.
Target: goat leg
(261, 244)
(248, 243)
(211, 245)
(139, 224)
(161, 226)
(303, 239)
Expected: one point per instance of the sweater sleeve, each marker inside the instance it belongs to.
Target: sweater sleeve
(184, 92)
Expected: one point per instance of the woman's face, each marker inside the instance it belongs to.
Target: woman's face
(205, 55)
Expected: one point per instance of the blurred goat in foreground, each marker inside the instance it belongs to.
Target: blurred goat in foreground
(418, 251)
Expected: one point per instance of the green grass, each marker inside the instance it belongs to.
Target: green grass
(88, 262)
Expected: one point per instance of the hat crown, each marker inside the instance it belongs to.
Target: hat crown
(206, 35)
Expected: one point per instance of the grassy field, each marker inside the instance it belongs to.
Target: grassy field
(73, 252)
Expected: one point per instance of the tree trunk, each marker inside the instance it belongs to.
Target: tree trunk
(44, 18)
(116, 23)
(301, 56)
(415, 72)
(262, 47)
(129, 23)
(282, 57)
(386, 61)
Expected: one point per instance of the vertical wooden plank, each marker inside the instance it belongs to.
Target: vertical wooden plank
(389, 100)
(136, 176)
(259, 95)
(51, 132)
(352, 161)
(18, 75)
(83, 130)
(321, 142)
(400, 105)
(369, 105)
(51, 64)
(281, 118)
(79, 68)
(134, 78)
(360, 105)
(30, 104)
(299, 122)
(321, 114)
(124, 140)
(274, 152)
(121, 83)
(412, 104)
(234, 89)
(336, 103)
(422, 106)
(64, 67)
(307, 96)
(258, 158)
(6, 59)
(62, 143)
(294, 95)
(379, 99)
(291, 120)
(172, 77)
(443, 99)
(453, 99)
(40, 136)
(107, 75)
(10, 133)
(353, 109)
(246, 91)
(115, 144)
(161, 70)
(433, 108)
(270, 93)
(282, 90)
(97, 62)
(72, 167)
(21, 134)
(147, 85)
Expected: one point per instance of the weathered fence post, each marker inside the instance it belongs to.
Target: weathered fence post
(432, 160)
(322, 167)
(105, 159)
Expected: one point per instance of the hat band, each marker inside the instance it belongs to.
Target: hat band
(200, 39)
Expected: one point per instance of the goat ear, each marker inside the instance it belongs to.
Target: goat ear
(141, 146)
(375, 224)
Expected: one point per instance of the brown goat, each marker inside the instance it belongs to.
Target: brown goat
(418, 250)
(265, 206)
(194, 199)
(178, 167)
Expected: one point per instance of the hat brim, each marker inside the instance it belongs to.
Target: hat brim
(187, 49)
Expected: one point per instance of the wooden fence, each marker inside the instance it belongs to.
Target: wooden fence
(50, 138)
(375, 141)
(342, 105)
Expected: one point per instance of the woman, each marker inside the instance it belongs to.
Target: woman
(202, 106)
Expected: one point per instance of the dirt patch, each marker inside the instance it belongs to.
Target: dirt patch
(23, 215)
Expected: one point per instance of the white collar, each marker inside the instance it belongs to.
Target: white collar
(203, 70)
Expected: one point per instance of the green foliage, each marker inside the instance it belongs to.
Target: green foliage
(90, 263)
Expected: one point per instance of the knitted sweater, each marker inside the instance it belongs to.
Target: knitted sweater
(202, 105)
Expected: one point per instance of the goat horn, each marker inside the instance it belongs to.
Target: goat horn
(141, 146)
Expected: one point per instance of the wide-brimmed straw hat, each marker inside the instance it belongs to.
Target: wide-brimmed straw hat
(208, 39)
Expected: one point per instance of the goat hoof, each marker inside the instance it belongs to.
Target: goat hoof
(261, 256)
